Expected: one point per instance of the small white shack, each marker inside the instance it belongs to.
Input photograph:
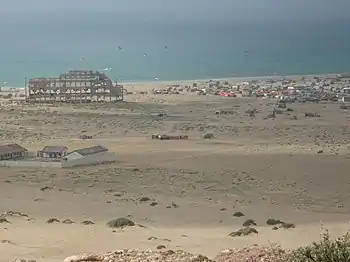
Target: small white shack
(88, 156)
(80, 153)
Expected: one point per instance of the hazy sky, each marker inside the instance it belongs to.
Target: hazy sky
(208, 10)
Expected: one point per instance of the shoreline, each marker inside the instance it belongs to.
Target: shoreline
(232, 79)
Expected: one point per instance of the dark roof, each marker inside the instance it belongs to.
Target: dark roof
(91, 150)
(54, 149)
(11, 148)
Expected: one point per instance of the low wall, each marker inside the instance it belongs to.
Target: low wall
(106, 157)
(23, 163)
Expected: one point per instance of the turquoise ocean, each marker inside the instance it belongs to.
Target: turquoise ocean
(171, 51)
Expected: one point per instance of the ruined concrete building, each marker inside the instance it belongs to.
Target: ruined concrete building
(75, 86)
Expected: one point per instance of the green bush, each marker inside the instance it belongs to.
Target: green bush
(327, 250)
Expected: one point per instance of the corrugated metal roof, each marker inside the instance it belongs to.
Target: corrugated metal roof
(11, 148)
(91, 150)
(54, 149)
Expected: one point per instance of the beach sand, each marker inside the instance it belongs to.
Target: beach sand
(265, 168)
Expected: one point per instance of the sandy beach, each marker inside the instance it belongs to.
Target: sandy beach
(179, 193)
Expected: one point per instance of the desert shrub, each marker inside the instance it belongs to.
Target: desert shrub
(327, 250)
(244, 232)
(238, 214)
(144, 199)
(249, 222)
(273, 222)
(120, 223)
(287, 225)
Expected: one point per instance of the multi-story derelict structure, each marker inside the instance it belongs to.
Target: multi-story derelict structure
(75, 86)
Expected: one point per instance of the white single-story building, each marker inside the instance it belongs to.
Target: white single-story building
(94, 155)
(89, 151)
(345, 99)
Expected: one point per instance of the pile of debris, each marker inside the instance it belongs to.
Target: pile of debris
(252, 254)
(225, 112)
(167, 137)
(127, 255)
(313, 114)
(83, 137)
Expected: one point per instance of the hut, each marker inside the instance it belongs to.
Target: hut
(53, 152)
(89, 151)
(12, 151)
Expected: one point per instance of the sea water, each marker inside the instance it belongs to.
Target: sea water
(171, 51)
